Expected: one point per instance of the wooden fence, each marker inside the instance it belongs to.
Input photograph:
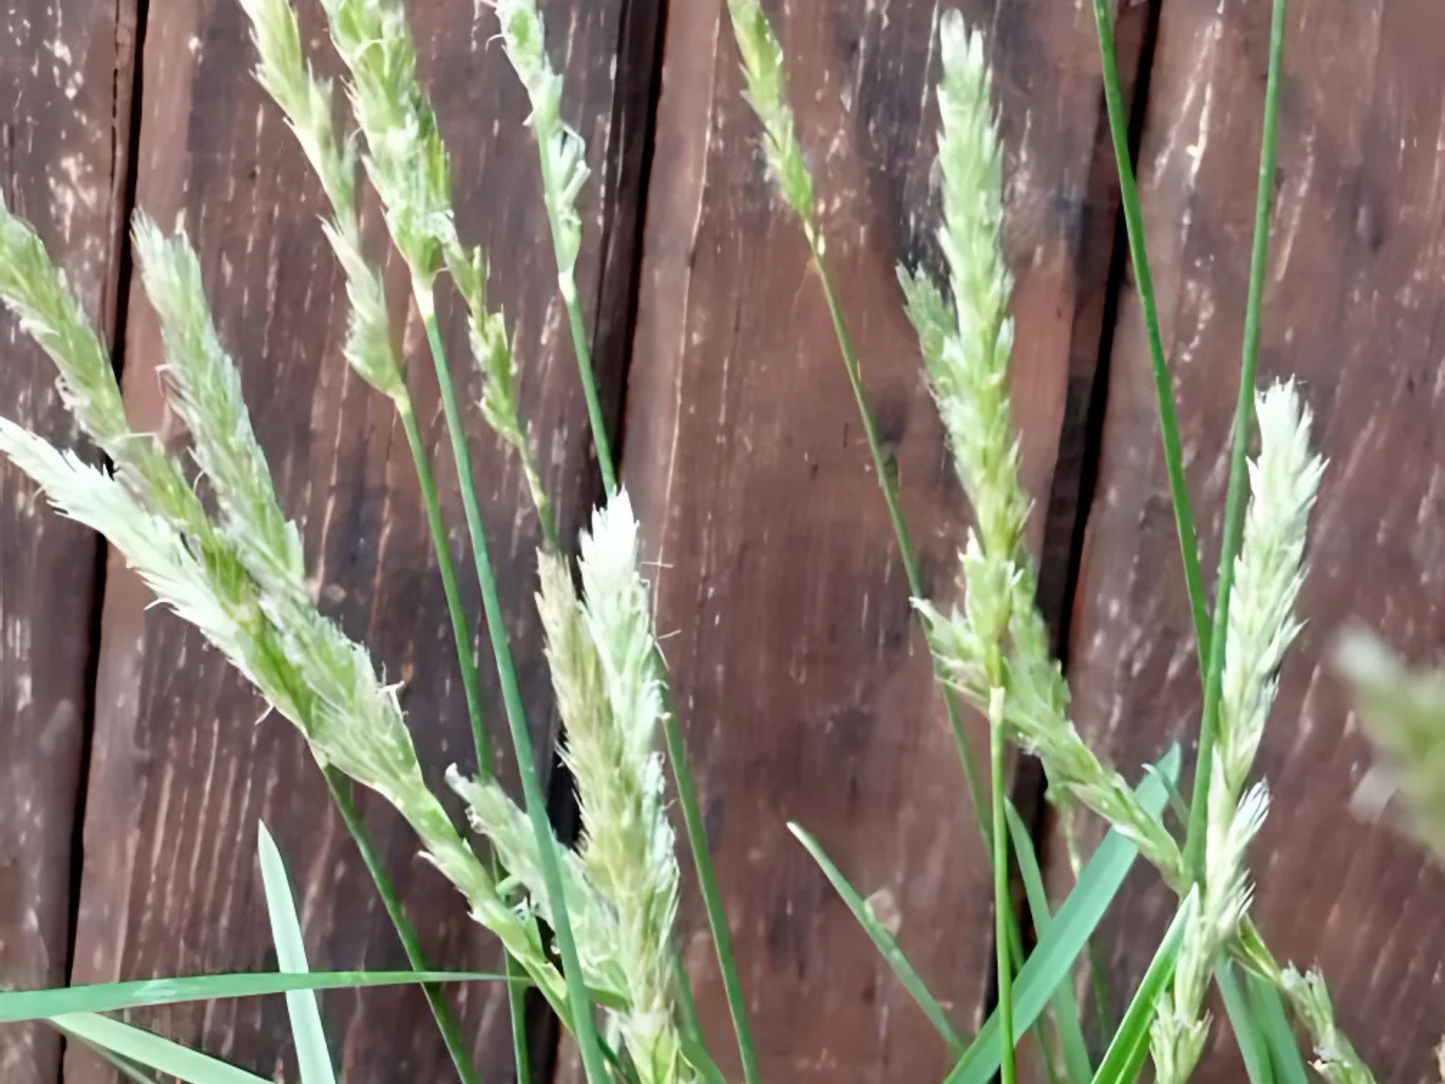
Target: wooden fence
(134, 765)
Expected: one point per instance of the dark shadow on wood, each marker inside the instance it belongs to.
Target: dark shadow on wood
(1102, 269)
(124, 147)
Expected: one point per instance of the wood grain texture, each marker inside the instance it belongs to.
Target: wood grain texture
(184, 764)
(802, 679)
(65, 84)
(1355, 307)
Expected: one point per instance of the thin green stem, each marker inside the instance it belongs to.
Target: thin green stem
(581, 345)
(446, 565)
(1163, 382)
(343, 795)
(467, 660)
(711, 896)
(516, 1009)
(1002, 900)
(584, 1029)
(885, 468)
(1238, 492)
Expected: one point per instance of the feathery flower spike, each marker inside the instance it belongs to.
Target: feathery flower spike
(767, 93)
(307, 103)
(966, 343)
(1284, 479)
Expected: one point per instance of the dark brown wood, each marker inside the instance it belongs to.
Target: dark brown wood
(1354, 308)
(65, 85)
(184, 767)
(801, 676)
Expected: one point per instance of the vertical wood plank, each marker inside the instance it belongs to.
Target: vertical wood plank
(801, 676)
(184, 763)
(1354, 307)
(65, 82)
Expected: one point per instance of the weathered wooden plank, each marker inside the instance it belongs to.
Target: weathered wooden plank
(182, 769)
(1354, 306)
(802, 679)
(65, 84)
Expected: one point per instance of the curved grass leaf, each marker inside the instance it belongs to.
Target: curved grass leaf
(126, 1068)
(1248, 1033)
(18, 1006)
(1284, 1052)
(313, 1055)
(1130, 1045)
(146, 1049)
(1066, 1005)
(882, 939)
(1073, 925)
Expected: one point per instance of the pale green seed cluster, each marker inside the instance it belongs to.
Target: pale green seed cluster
(1335, 1059)
(405, 157)
(767, 93)
(1403, 713)
(1181, 1028)
(564, 153)
(236, 582)
(605, 672)
(308, 105)
(1284, 479)
(966, 342)
(205, 391)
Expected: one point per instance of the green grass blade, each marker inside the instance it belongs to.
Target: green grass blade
(882, 940)
(1284, 1051)
(579, 997)
(516, 1012)
(1238, 491)
(313, 1055)
(1065, 1003)
(1073, 925)
(1144, 283)
(18, 1006)
(717, 918)
(343, 794)
(149, 1050)
(126, 1068)
(694, 1045)
(1247, 1031)
(1002, 892)
(1130, 1046)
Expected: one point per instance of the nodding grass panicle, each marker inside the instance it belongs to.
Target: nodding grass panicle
(966, 340)
(411, 170)
(1181, 1028)
(564, 154)
(605, 675)
(301, 662)
(1335, 1059)
(1402, 711)
(405, 157)
(308, 105)
(1284, 479)
(767, 93)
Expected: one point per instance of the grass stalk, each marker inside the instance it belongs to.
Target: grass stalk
(343, 794)
(1163, 381)
(711, 895)
(584, 1029)
(886, 470)
(516, 1011)
(1238, 491)
(446, 565)
(1002, 900)
(581, 344)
